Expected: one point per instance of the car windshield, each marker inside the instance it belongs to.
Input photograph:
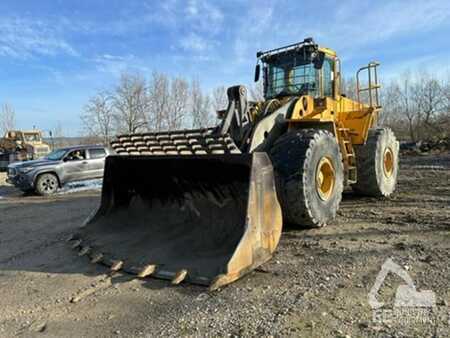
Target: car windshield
(291, 75)
(56, 155)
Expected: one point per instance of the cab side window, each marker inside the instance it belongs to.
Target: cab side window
(97, 153)
(77, 155)
(327, 70)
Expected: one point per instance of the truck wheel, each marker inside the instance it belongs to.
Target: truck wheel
(46, 184)
(377, 164)
(310, 176)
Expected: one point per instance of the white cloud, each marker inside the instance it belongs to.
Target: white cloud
(351, 27)
(428, 63)
(199, 16)
(24, 38)
(115, 65)
(204, 16)
(254, 32)
(193, 42)
(365, 23)
(192, 8)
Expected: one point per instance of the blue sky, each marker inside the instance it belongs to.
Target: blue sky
(55, 54)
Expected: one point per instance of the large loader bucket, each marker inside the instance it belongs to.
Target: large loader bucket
(203, 219)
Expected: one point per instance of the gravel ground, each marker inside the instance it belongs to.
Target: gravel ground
(315, 286)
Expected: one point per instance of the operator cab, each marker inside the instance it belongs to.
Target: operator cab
(32, 136)
(299, 69)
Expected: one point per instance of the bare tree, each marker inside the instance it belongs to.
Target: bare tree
(429, 100)
(98, 116)
(445, 118)
(58, 131)
(219, 98)
(58, 136)
(178, 102)
(7, 119)
(407, 105)
(446, 93)
(348, 88)
(415, 106)
(200, 107)
(131, 104)
(256, 91)
(389, 101)
(159, 102)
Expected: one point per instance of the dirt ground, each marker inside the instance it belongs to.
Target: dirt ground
(317, 284)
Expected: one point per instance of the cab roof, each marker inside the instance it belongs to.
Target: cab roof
(83, 147)
(25, 131)
(307, 43)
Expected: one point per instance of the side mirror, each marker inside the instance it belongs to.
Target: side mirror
(257, 71)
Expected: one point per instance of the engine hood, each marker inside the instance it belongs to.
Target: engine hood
(34, 163)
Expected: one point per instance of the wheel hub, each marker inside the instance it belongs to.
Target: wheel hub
(325, 178)
(388, 162)
(49, 185)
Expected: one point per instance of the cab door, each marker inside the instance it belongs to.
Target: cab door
(328, 78)
(96, 162)
(75, 166)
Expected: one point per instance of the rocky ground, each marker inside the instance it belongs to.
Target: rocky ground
(317, 284)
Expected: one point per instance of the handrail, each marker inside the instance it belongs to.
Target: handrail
(372, 88)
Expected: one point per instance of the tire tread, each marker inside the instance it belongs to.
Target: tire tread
(291, 156)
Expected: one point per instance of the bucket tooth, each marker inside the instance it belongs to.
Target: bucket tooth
(146, 271)
(84, 251)
(222, 280)
(76, 244)
(116, 266)
(96, 258)
(179, 277)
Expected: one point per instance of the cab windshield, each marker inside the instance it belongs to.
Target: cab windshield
(56, 155)
(32, 137)
(291, 75)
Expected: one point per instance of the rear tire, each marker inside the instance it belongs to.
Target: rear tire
(46, 184)
(377, 164)
(310, 176)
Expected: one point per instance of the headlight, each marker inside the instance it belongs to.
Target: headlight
(25, 170)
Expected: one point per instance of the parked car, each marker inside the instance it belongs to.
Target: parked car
(45, 176)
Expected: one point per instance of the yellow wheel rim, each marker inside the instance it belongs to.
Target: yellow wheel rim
(388, 162)
(325, 178)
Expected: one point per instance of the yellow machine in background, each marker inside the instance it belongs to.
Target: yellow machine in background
(19, 145)
(207, 206)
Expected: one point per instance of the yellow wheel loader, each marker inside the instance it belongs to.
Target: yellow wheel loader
(207, 206)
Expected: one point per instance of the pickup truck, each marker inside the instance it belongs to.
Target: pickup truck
(46, 175)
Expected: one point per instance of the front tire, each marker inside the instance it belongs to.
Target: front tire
(377, 164)
(46, 184)
(310, 176)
